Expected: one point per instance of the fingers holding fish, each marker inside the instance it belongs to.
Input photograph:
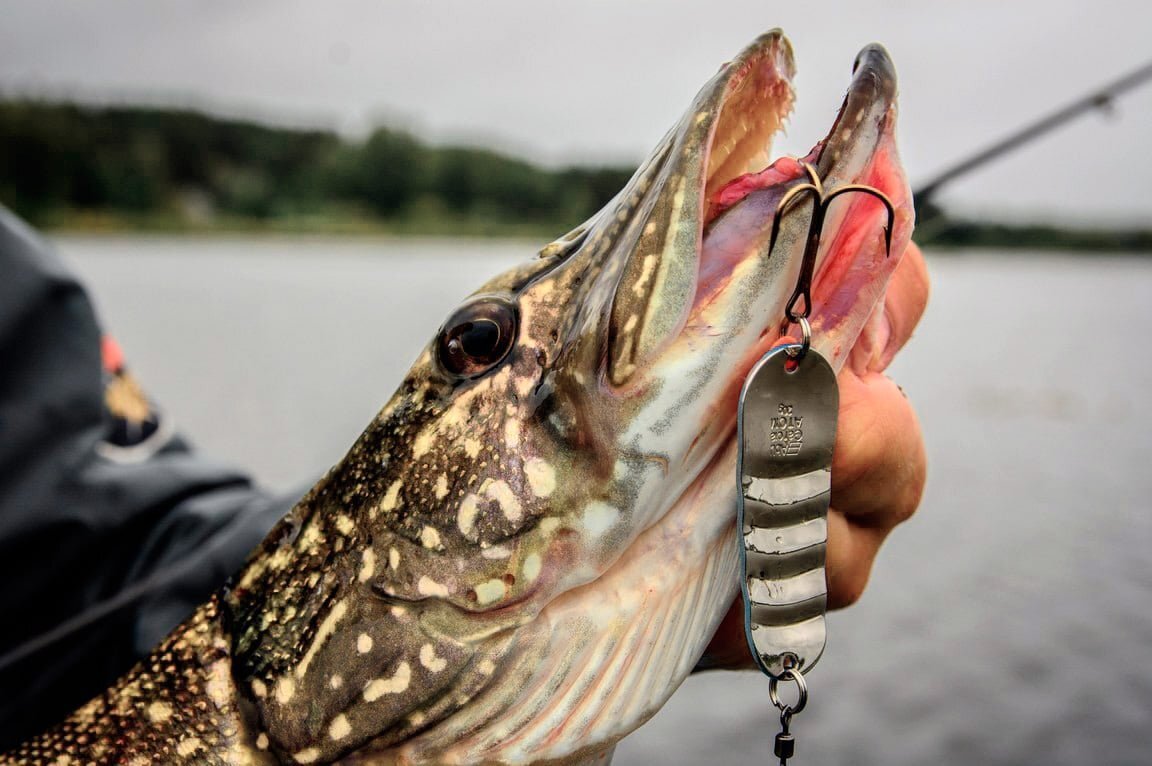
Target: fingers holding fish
(879, 468)
(879, 471)
(879, 464)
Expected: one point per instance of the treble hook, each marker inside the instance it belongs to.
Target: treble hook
(820, 202)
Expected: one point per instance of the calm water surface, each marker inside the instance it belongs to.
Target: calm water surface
(1010, 622)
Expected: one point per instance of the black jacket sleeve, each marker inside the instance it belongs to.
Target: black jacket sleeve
(111, 527)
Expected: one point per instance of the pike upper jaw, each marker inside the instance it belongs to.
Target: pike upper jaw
(757, 98)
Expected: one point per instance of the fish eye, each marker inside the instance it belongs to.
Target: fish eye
(477, 336)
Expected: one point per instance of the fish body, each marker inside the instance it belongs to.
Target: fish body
(528, 548)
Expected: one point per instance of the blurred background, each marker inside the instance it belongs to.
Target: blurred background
(276, 204)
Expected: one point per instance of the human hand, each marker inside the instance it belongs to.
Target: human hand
(878, 465)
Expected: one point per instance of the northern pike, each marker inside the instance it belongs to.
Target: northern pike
(527, 550)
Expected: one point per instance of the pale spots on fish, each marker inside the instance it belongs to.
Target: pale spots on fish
(218, 686)
(312, 538)
(367, 565)
(423, 442)
(441, 486)
(336, 681)
(279, 559)
(339, 728)
(388, 502)
(490, 591)
(159, 712)
(393, 559)
(189, 746)
(398, 683)
(648, 268)
(496, 552)
(531, 567)
(308, 755)
(506, 499)
(455, 416)
(512, 433)
(599, 517)
(541, 476)
(262, 741)
(363, 643)
(344, 524)
(429, 659)
(625, 366)
(429, 587)
(466, 515)
(259, 688)
(430, 538)
(471, 447)
(285, 690)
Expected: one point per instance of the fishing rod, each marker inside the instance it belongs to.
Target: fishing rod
(1101, 98)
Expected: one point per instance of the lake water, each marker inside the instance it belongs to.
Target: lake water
(1010, 622)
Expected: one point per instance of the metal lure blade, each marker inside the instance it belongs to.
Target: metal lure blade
(786, 431)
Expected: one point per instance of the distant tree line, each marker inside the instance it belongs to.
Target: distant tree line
(136, 167)
(962, 233)
(135, 161)
(937, 228)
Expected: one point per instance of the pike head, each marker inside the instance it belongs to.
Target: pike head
(527, 550)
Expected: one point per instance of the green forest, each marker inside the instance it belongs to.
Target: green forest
(67, 166)
(64, 165)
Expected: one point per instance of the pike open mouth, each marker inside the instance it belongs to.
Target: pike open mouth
(743, 187)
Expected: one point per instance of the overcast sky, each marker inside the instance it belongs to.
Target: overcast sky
(602, 81)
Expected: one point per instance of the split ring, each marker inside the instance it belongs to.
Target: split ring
(789, 674)
(799, 350)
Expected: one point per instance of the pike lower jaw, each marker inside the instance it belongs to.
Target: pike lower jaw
(546, 504)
